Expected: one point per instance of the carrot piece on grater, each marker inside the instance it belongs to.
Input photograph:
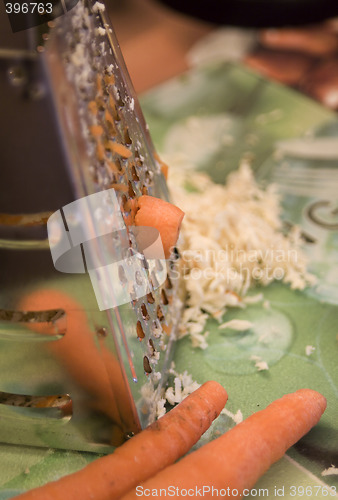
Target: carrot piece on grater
(163, 216)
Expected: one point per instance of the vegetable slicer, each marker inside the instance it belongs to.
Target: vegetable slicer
(73, 376)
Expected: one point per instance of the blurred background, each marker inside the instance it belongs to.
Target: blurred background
(295, 42)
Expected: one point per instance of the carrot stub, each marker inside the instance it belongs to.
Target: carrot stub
(78, 354)
(159, 445)
(163, 216)
(239, 457)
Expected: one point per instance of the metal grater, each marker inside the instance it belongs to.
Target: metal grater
(65, 108)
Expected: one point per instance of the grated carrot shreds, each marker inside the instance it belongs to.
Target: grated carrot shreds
(109, 79)
(96, 131)
(119, 187)
(92, 106)
(233, 242)
(119, 149)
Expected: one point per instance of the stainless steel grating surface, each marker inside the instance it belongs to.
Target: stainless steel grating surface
(97, 132)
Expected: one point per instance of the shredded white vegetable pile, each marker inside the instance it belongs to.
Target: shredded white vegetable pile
(232, 241)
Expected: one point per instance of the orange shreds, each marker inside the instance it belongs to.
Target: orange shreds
(108, 117)
(96, 130)
(131, 206)
(167, 329)
(109, 79)
(38, 219)
(127, 205)
(235, 295)
(164, 170)
(119, 149)
(110, 122)
(46, 402)
(92, 106)
(99, 84)
(113, 167)
(164, 167)
(119, 187)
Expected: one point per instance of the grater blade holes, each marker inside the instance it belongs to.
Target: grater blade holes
(122, 275)
(139, 278)
(61, 403)
(159, 313)
(168, 284)
(164, 298)
(144, 312)
(146, 365)
(150, 298)
(140, 331)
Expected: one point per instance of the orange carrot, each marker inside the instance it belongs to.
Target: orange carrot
(238, 458)
(163, 216)
(78, 353)
(142, 456)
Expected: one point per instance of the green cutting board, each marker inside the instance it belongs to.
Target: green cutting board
(230, 112)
